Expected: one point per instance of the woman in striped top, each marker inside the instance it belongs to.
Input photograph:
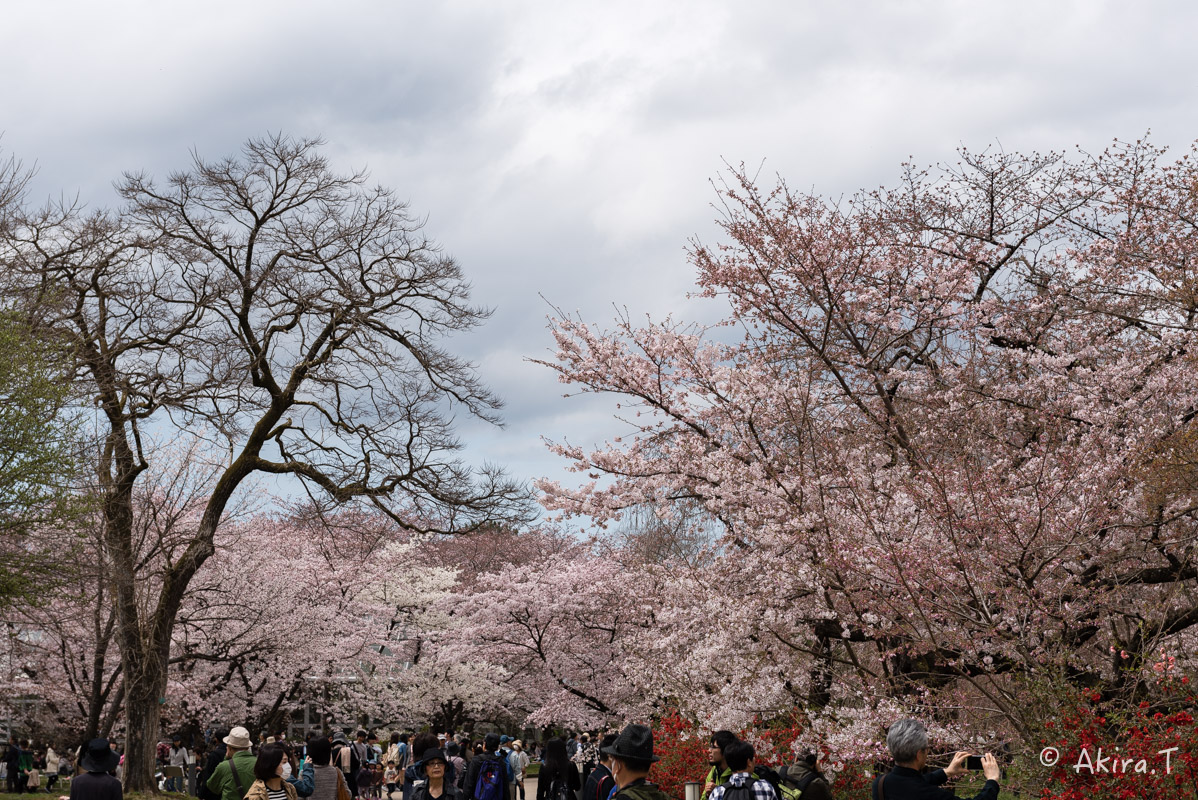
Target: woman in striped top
(268, 770)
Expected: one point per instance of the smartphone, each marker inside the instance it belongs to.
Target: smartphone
(973, 762)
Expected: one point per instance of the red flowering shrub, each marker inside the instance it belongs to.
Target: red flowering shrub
(1105, 751)
(683, 750)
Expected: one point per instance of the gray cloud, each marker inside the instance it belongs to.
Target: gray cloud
(566, 151)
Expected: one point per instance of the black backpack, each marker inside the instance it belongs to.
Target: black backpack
(559, 788)
(742, 792)
(770, 776)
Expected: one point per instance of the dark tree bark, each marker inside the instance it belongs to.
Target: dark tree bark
(283, 311)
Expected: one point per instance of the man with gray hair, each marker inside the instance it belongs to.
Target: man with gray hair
(907, 740)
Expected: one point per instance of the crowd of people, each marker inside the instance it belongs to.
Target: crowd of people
(32, 767)
(431, 766)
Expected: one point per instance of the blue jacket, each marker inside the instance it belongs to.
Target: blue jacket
(306, 782)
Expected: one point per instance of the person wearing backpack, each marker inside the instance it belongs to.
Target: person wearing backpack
(743, 784)
(457, 764)
(802, 779)
(488, 777)
(558, 778)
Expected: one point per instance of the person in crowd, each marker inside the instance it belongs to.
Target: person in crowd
(436, 785)
(52, 760)
(25, 765)
(297, 773)
(66, 768)
(487, 777)
(199, 755)
(585, 756)
(742, 784)
(214, 757)
(365, 780)
(422, 743)
(631, 760)
(177, 757)
(405, 755)
(374, 752)
(233, 777)
(558, 778)
(519, 761)
(907, 741)
(96, 782)
(343, 759)
(268, 775)
(453, 754)
(33, 780)
(505, 752)
(391, 778)
(805, 777)
(392, 752)
(719, 772)
(599, 783)
(327, 778)
(358, 758)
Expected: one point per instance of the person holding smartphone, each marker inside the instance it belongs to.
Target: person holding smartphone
(907, 741)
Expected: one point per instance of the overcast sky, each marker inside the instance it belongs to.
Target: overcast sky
(566, 149)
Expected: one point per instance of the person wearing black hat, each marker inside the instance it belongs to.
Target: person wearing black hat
(631, 759)
(97, 761)
(435, 785)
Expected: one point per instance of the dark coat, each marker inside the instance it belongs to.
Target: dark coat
(448, 792)
(599, 784)
(215, 756)
(95, 786)
(547, 775)
(904, 783)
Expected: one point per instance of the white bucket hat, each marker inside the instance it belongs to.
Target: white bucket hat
(238, 737)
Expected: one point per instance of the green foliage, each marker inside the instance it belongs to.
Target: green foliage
(38, 464)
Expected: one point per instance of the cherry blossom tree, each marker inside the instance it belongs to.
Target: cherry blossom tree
(945, 429)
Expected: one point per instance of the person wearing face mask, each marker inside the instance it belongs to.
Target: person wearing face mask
(631, 759)
(599, 783)
(268, 774)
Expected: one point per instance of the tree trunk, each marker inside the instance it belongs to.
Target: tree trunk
(141, 729)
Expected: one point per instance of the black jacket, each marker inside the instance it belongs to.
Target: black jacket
(546, 777)
(904, 783)
(448, 792)
(215, 756)
(95, 786)
(599, 784)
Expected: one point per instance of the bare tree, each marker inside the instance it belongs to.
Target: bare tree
(292, 315)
